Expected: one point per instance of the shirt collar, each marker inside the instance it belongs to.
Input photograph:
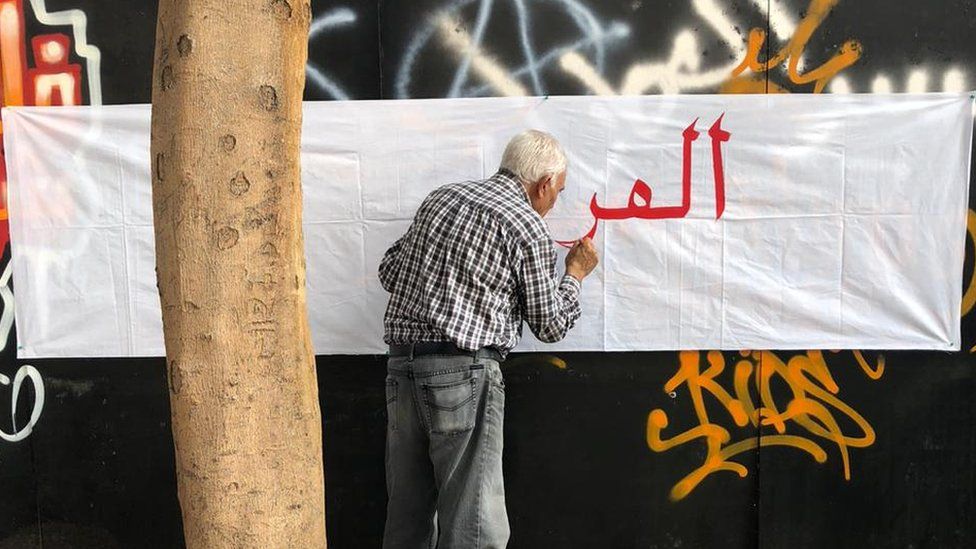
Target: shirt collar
(512, 181)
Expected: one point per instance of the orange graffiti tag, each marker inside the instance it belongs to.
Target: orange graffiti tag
(812, 412)
(969, 296)
(791, 53)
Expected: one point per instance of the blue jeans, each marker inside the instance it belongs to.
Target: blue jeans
(444, 453)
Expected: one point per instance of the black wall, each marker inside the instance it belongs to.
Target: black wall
(98, 470)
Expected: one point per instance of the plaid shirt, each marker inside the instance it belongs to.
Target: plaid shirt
(477, 261)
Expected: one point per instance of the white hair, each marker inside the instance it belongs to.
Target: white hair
(533, 155)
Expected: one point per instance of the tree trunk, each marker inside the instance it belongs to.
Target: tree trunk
(226, 126)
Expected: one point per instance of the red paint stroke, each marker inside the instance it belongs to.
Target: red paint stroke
(718, 136)
(639, 202)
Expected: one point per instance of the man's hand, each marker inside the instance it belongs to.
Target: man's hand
(582, 259)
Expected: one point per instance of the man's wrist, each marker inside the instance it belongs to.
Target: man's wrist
(576, 275)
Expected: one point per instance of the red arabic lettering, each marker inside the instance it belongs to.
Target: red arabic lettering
(642, 208)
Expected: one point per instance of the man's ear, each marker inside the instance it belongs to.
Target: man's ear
(544, 185)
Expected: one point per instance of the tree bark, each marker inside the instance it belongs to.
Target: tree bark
(226, 125)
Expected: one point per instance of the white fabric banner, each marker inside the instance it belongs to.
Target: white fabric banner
(724, 222)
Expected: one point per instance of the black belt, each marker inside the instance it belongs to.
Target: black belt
(442, 348)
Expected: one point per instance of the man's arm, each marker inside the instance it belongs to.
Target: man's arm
(551, 306)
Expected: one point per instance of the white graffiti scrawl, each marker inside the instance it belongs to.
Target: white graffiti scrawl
(482, 65)
(446, 27)
(321, 26)
(25, 373)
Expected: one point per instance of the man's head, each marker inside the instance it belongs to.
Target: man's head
(539, 162)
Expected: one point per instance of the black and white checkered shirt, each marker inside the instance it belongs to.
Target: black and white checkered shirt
(477, 261)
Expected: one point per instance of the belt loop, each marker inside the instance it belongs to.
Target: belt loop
(411, 351)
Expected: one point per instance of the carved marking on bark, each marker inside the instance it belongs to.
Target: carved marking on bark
(265, 279)
(263, 327)
(259, 308)
(239, 184)
(164, 52)
(255, 219)
(175, 377)
(268, 343)
(228, 142)
(227, 238)
(166, 78)
(269, 98)
(184, 45)
(160, 161)
(272, 197)
(281, 8)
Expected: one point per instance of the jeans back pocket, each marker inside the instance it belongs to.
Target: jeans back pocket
(451, 406)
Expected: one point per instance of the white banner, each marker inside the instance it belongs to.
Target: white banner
(724, 222)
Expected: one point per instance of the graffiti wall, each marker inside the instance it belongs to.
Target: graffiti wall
(695, 449)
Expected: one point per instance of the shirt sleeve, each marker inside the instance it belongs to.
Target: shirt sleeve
(551, 305)
(390, 265)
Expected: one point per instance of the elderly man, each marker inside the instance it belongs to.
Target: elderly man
(477, 261)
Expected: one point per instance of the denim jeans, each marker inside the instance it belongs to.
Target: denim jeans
(444, 453)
